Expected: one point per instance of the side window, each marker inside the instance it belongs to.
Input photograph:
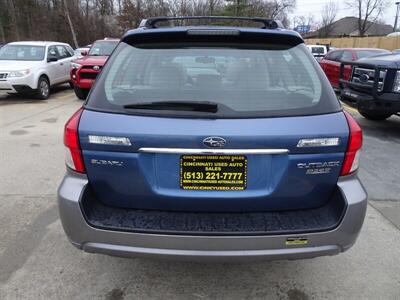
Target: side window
(70, 50)
(63, 52)
(334, 55)
(52, 52)
(347, 56)
(330, 55)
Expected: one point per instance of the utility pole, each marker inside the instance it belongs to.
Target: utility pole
(71, 26)
(397, 16)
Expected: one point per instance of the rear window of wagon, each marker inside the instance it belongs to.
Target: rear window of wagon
(245, 81)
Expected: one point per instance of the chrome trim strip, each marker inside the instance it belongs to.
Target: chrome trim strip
(318, 142)
(213, 151)
(109, 140)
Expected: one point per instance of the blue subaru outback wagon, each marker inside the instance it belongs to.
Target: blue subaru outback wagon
(212, 143)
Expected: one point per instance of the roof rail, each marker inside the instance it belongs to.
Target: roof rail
(267, 23)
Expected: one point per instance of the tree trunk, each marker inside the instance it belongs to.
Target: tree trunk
(14, 19)
(2, 35)
(29, 22)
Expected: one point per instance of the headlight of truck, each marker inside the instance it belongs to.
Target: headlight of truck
(21, 73)
(75, 65)
(396, 85)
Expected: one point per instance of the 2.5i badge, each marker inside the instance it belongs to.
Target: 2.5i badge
(315, 168)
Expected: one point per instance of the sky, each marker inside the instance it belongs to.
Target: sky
(314, 7)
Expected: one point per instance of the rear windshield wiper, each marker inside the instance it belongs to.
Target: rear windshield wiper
(202, 106)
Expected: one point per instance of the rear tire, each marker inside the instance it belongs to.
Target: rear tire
(374, 115)
(43, 90)
(71, 85)
(81, 93)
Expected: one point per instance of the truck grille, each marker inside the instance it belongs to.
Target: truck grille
(86, 75)
(94, 68)
(3, 75)
(366, 77)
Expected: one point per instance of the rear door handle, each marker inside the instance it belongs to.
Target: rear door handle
(61, 64)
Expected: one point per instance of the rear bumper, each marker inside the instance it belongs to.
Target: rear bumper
(209, 248)
(209, 255)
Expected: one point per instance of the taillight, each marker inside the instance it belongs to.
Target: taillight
(74, 159)
(352, 156)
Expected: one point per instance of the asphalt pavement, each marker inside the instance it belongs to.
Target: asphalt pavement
(38, 262)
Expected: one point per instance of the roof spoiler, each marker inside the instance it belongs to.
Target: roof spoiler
(267, 23)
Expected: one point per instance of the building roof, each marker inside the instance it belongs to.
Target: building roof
(348, 26)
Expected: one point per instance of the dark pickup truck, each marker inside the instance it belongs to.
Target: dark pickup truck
(374, 86)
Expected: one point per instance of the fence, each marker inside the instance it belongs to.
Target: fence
(389, 43)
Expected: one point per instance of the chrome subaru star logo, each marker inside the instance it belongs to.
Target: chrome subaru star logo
(96, 68)
(214, 142)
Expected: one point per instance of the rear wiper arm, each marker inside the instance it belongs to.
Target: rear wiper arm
(202, 106)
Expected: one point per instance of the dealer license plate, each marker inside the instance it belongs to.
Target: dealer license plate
(213, 172)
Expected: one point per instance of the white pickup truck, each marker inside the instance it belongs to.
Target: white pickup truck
(318, 51)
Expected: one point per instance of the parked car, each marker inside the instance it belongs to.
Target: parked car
(34, 67)
(374, 87)
(84, 70)
(318, 51)
(81, 52)
(331, 62)
(255, 159)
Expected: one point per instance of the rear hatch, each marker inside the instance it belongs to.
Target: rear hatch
(255, 128)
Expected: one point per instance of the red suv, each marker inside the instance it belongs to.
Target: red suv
(331, 62)
(85, 70)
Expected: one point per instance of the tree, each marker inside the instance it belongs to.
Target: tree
(237, 6)
(14, 21)
(278, 8)
(3, 17)
(80, 22)
(2, 34)
(304, 21)
(212, 5)
(368, 12)
(272, 9)
(329, 13)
